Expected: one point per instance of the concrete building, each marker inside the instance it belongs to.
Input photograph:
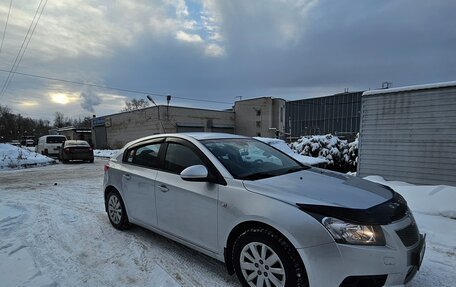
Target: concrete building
(263, 116)
(338, 114)
(409, 134)
(114, 131)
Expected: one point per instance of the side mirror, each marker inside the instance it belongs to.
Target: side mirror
(194, 173)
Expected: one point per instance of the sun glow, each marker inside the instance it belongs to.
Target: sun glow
(61, 98)
(28, 103)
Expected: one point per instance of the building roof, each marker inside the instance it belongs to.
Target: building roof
(410, 88)
(164, 106)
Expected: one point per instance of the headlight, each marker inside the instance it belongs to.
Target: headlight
(352, 233)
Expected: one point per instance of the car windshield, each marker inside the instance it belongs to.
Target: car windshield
(249, 159)
(55, 139)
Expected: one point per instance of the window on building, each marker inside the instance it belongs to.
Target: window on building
(258, 124)
(258, 112)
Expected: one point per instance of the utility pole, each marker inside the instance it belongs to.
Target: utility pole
(158, 110)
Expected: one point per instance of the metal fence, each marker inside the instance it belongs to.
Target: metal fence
(337, 114)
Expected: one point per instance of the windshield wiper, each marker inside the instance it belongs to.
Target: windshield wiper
(258, 175)
(295, 169)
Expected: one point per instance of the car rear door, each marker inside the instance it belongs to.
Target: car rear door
(186, 209)
(138, 181)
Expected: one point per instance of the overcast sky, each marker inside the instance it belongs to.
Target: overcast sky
(218, 50)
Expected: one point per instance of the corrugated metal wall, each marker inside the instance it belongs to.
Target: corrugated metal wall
(337, 114)
(409, 136)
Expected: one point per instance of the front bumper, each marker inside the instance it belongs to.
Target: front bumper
(330, 264)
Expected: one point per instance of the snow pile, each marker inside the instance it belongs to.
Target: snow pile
(429, 199)
(434, 210)
(282, 146)
(13, 157)
(341, 155)
(106, 153)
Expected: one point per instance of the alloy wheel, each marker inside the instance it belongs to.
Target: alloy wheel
(114, 209)
(261, 266)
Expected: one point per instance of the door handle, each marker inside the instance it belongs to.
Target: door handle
(127, 176)
(163, 187)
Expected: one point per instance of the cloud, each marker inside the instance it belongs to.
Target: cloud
(217, 49)
(191, 38)
(89, 100)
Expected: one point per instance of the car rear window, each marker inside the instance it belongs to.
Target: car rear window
(55, 139)
(76, 143)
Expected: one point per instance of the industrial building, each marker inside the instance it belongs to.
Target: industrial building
(409, 134)
(114, 131)
(338, 114)
(263, 116)
(260, 117)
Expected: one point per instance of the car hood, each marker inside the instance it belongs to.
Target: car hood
(321, 187)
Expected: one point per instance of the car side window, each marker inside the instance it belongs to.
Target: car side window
(146, 155)
(178, 157)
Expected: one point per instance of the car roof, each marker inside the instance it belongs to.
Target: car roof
(207, 136)
(199, 136)
(76, 141)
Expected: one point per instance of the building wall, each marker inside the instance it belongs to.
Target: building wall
(259, 117)
(337, 114)
(127, 126)
(409, 136)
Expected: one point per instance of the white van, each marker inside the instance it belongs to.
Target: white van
(50, 144)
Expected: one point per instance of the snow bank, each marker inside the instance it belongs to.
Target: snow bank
(12, 157)
(107, 153)
(281, 145)
(428, 199)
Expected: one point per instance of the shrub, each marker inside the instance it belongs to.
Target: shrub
(341, 155)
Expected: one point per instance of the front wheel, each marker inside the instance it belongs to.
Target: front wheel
(116, 211)
(262, 257)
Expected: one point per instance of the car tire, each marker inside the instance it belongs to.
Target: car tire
(116, 211)
(91, 161)
(275, 260)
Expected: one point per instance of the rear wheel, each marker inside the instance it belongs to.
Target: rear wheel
(263, 258)
(116, 211)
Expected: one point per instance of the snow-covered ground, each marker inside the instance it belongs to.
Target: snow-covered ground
(106, 153)
(54, 232)
(13, 157)
(434, 209)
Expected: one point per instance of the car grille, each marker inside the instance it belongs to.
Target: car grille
(409, 235)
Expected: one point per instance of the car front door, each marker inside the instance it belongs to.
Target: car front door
(186, 209)
(138, 181)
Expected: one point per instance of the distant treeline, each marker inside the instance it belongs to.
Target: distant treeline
(15, 126)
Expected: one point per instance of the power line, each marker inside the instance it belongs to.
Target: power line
(26, 46)
(110, 88)
(19, 55)
(6, 25)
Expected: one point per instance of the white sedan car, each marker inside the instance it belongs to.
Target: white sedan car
(273, 221)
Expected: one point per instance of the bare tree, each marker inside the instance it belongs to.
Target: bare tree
(135, 104)
(61, 121)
